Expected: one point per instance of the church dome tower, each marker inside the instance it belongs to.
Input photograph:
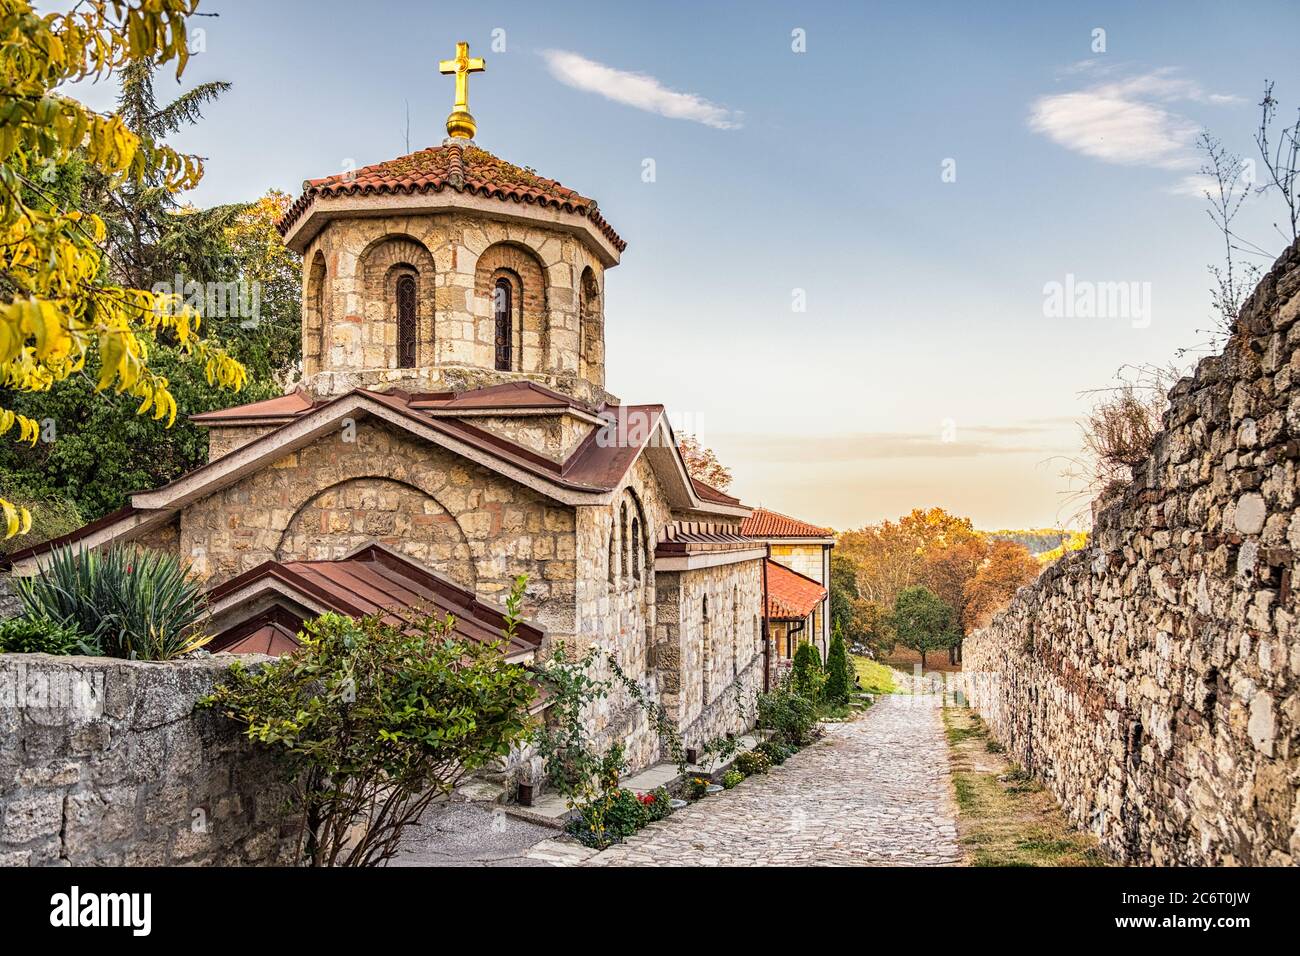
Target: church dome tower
(451, 269)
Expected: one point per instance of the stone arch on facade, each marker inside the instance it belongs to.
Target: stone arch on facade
(591, 329)
(388, 266)
(338, 519)
(518, 267)
(315, 327)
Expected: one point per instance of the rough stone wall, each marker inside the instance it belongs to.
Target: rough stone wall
(1153, 680)
(555, 436)
(455, 304)
(379, 483)
(104, 762)
(710, 665)
(223, 439)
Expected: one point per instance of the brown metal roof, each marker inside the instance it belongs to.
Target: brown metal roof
(280, 408)
(507, 395)
(709, 493)
(377, 581)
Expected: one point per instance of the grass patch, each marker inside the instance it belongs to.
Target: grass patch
(875, 678)
(1005, 817)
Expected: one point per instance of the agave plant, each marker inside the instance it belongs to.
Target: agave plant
(136, 603)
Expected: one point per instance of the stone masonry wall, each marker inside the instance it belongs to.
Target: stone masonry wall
(1153, 679)
(104, 762)
(457, 329)
(377, 483)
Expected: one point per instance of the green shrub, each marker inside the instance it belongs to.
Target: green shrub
(40, 635)
(52, 517)
(752, 762)
(839, 672)
(660, 804)
(731, 778)
(377, 722)
(626, 814)
(774, 751)
(791, 718)
(135, 603)
(808, 678)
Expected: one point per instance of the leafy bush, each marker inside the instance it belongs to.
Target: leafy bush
(839, 672)
(807, 678)
(377, 721)
(697, 787)
(658, 804)
(752, 762)
(135, 603)
(40, 635)
(52, 516)
(775, 751)
(731, 778)
(791, 718)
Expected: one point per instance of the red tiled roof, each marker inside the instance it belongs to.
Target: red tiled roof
(762, 523)
(790, 595)
(373, 581)
(452, 166)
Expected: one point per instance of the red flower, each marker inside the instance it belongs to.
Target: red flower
(647, 798)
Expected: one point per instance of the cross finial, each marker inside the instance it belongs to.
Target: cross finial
(460, 123)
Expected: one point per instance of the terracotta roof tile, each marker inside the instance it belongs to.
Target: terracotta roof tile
(790, 595)
(452, 166)
(762, 523)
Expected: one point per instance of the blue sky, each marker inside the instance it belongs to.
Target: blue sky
(817, 171)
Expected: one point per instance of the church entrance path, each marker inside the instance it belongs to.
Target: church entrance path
(876, 791)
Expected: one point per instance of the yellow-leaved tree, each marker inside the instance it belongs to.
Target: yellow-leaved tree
(56, 305)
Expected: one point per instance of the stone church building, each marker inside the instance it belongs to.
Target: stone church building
(452, 431)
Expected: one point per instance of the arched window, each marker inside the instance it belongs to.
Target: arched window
(502, 312)
(636, 550)
(406, 333)
(622, 536)
(613, 552)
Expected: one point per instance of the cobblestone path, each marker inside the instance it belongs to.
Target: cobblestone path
(876, 791)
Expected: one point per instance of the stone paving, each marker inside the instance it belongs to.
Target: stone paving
(876, 791)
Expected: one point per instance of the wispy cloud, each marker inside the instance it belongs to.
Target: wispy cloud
(968, 442)
(1132, 120)
(639, 90)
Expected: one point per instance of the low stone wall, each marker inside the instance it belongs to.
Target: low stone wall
(105, 762)
(1152, 679)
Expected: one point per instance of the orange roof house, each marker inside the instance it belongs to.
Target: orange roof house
(799, 574)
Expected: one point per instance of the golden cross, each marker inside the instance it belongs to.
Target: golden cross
(460, 123)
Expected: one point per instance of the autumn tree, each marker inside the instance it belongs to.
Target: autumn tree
(1008, 568)
(947, 569)
(60, 311)
(702, 463)
(923, 622)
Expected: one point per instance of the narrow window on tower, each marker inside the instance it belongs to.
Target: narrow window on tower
(406, 322)
(501, 310)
